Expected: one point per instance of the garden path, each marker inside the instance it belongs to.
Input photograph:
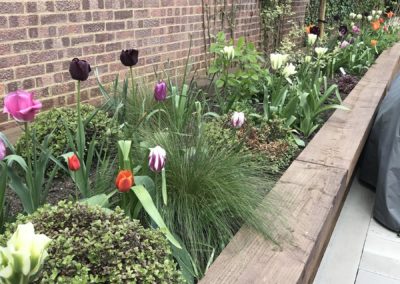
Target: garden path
(360, 251)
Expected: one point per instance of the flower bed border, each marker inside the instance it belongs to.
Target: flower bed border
(311, 192)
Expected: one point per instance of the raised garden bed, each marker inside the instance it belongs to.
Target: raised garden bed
(311, 192)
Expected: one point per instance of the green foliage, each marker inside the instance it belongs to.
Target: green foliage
(90, 245)
(238, 77)
(98, 126)
(212, 191)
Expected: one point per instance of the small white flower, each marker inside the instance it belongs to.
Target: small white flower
(237, 119)
(311, 39)
(359, 16)
(377, 17)
(379, 12)
(352, 15)
(320, 51)
(278, 60)
(370, 18)
(229, 52)
(307, 59)
(373, 12)
(289, 70)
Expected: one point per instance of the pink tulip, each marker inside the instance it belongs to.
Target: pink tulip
(160, 91)
(344, 44)
(157, 159)
(356, 29)
(2, 150)
(21, 106)
(237, 119)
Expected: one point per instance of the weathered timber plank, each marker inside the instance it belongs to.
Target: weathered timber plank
(341, 139)
(309, 195)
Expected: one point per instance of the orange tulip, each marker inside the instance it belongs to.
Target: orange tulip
(376, 25)
(374, 42)
(73, 163)
(390, 14)
(124, 181)
(308, 28)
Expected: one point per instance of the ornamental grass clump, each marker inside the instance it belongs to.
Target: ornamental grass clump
(90, 245)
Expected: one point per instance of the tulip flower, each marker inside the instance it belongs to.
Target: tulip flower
(356, 29)
(157, 159)
(2, 150)
(379, 12)
(359, 16)
(315, 30)
(374, 42)
(21, 106)
(24, 255)
(307, 59)
(373, 12)
(386, 28)
(79, 69)
(289, 70)
(229, 52)
(237, 119)
(375, 25)
(381, 20)
(344, 44)
(124, 181)
(390, 14)
(129, 57)
(320, 51)
(352, 15)
(343, 30)
(307, 29)
(311, 39)
(160, 91)
(369, 18)
(278, 60)
(73, 163)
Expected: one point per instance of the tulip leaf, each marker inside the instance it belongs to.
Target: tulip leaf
(97, 200)
(149, 206)
(18, 159)
(164, 187)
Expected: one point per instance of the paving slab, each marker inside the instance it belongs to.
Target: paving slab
(367, 277)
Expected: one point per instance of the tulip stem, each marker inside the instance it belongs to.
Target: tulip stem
(132, 81)
(29, 177)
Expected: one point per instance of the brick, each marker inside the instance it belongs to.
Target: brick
(113, 46)
(53, 19)
(43, 57)
(91, 28)
(6, 75)
(3, 22)
(11, 35)
(114, 26)
(102, 15)
(29, 71)
(82, 39)
(104, 37)
(80, 17)
(11, 61)
(11, 8)
(5, 49)
(120, 15)
(27, 46)
(31, 7)
(28, 84)
(68, 5)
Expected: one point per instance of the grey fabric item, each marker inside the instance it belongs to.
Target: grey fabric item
(380, 164)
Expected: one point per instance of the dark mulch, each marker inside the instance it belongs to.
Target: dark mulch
(61, 189)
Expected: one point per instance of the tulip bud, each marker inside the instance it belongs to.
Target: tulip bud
(229, 52)
(379, 12)
(24, 254)
(373, 12)
(73, 163)
(369, 18)
(344, 44)
(237, 119)
(311, 39)
(157, 159)
(278, 60)
(289, 70)
(160, 91)
(359, 16)
(307, 59)
(2, 149)
(124, 181)
(79, 69)
(320, 51)
(21, 106)
(129, 57)
(352, 15)
(356, 29)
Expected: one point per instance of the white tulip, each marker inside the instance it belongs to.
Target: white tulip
(320, 51)
(307, 59)
(359, 16)
(229, 52)
(289, 70)
(278, 60)
(369, 18)
(379, 12)
(311, 39)
(373, 12)
(352, 15)
(377, 17)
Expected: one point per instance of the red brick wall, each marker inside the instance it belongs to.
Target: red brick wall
(39, 38)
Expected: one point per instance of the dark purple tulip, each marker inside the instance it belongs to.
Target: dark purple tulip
(129, 57)
(315, 30)
(79, 69)
(343, 30)
(160, 91)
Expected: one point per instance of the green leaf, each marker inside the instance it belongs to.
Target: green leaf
(148, 205)
(18, 159)
(164, 187)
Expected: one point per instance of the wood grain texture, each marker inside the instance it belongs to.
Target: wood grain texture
(308, 196)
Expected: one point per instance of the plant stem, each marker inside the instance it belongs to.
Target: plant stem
(29, 177)
(132, 81)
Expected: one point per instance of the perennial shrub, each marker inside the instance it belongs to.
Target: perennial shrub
(90, 245)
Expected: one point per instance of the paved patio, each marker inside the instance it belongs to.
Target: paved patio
(360, 250)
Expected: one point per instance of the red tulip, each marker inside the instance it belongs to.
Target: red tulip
(124, 181)
(73, 163)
